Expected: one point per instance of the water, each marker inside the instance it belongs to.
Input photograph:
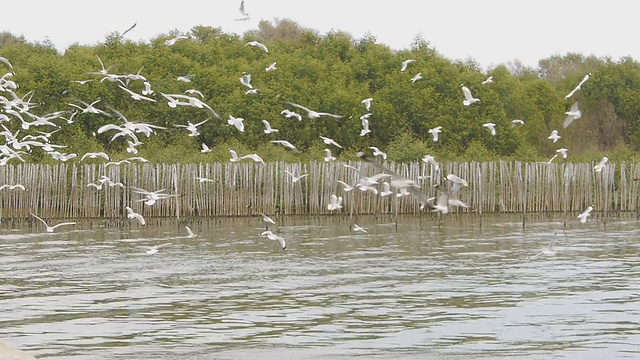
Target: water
(460, 291)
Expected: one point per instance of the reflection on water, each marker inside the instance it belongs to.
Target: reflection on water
(469, 288)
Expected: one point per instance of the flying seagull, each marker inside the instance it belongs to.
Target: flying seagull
(554, 136)
(244, 14)
(573, 114)
(406, 63)
(271, 236)
(367, 103)
(258, 44)
(584, 79)
(267, 127)
(585, 214)
(599, 166)
(468, 98)
(51, 228)
(488, 81)
(314, 114)
(491, 127)
(434, 132)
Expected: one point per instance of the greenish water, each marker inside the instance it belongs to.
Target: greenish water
(460, 291)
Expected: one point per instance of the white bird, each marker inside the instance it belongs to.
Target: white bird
(434, 132)
(93, 155)
(573, 114)
(468, 98)
(203, 179)
(234, 156)
(244, 14)
(271, 67)
(330, 141)
(171, 42)
(284, 143)
(457, 182)
(295, 178)
(272, 236)
(584, 79)
(358, 228)
(245, 80)
(267, 220)
(491, 127)
(185, 78)
(599, 166)
(416, 78)
(345, 187)
(314, 114)
(154, 249)
(327, 155)
(205, 148)
(267, 127)
(194, 92)
(288, 113)
(335, 203)
(135, 95)
(89, 108)
(554, 136)
(386, 189)
(134, 215)
(252, 91)
(190, 233)
(254, 157)
(365, 127)
(377, 152)
(552, 158)
(258, 44)
(237, 122)
(488, 81)
(563, 152)
(12, 187)
(367, 103)
(147, 89)
(193, 128)
(550, 250)
(51, 228)
(6, 61)
(585, 214)
(405, 64)
(516, 122)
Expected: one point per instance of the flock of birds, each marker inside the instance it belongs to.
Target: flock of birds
(384, 183)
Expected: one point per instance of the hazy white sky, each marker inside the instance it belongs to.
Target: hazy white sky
(489, 31)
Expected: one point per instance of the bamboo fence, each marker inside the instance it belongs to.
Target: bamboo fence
(242, 189)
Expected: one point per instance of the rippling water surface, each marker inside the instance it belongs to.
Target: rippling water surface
(469, 289)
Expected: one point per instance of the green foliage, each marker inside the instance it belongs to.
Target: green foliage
(329, 73)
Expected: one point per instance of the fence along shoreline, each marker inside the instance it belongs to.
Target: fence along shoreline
(242, 189)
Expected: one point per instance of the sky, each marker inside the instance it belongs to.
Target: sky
(489, 31)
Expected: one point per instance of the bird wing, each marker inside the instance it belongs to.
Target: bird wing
(189, 232)
(35, 216)
(63, 224)
(298, 106)
(467, 93)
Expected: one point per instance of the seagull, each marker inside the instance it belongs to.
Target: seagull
(584, 79)
(171, 42)
(252, 92)
(335, 203)
(237, 122)
(244, 14)
(270, 67)
(205, 148)
(51, 228)
(365, 127)
(516, 122)
(203, 179)
(272, 236)
(193, 128)
(134, 215)
(288, 113)
(491, 127)
(103, 70)
(488, 81)
(254, 157)
(89, 108)
(258, 44)
(599, 166)
(386, 189)
(345, 187)
(154, 249)
(93, 155)
(147, 89)
(367, 103)
(314, 114)
(468, 98)
(327, 155)
(563, 151)
(295, 178)
(4, 60)
(573, 114)
(267, 220)
(358, 228)
(82, 82)
(405, 64)
(190, 233)
(185, 78)
(434, 132)
(550, 250)
(267, 127)
(585, 214)
(377, 152)
(136, 96)
(457, 182)
(194, 92)
(12, 187)
(234, 156)
(329, 141)
(245, 80)
(416, 78)
(554, 136)
(285, 143)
